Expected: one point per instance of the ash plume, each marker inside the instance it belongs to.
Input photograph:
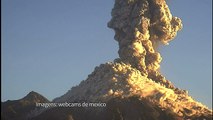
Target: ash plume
(134, 81)
(139, 26)
(132, 86)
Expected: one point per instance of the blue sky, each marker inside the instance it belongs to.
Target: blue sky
(48, 46)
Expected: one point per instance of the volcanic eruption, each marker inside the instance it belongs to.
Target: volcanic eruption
(140, 26)
(132, 86)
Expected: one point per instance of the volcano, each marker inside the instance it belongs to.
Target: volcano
(132, 86)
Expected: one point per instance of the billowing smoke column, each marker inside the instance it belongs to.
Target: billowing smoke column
(140, 25)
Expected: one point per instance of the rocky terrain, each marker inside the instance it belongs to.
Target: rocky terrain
(131, 86)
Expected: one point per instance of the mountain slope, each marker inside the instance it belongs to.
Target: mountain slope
(117, 80)
(19, 109)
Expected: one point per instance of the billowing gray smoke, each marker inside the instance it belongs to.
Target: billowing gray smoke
(140, 25)
(131, 87)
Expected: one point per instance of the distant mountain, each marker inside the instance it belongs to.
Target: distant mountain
(20, 109)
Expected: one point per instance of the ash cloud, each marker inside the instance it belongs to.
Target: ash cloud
(140, 25)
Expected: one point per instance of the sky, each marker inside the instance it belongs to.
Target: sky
(49, 46)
